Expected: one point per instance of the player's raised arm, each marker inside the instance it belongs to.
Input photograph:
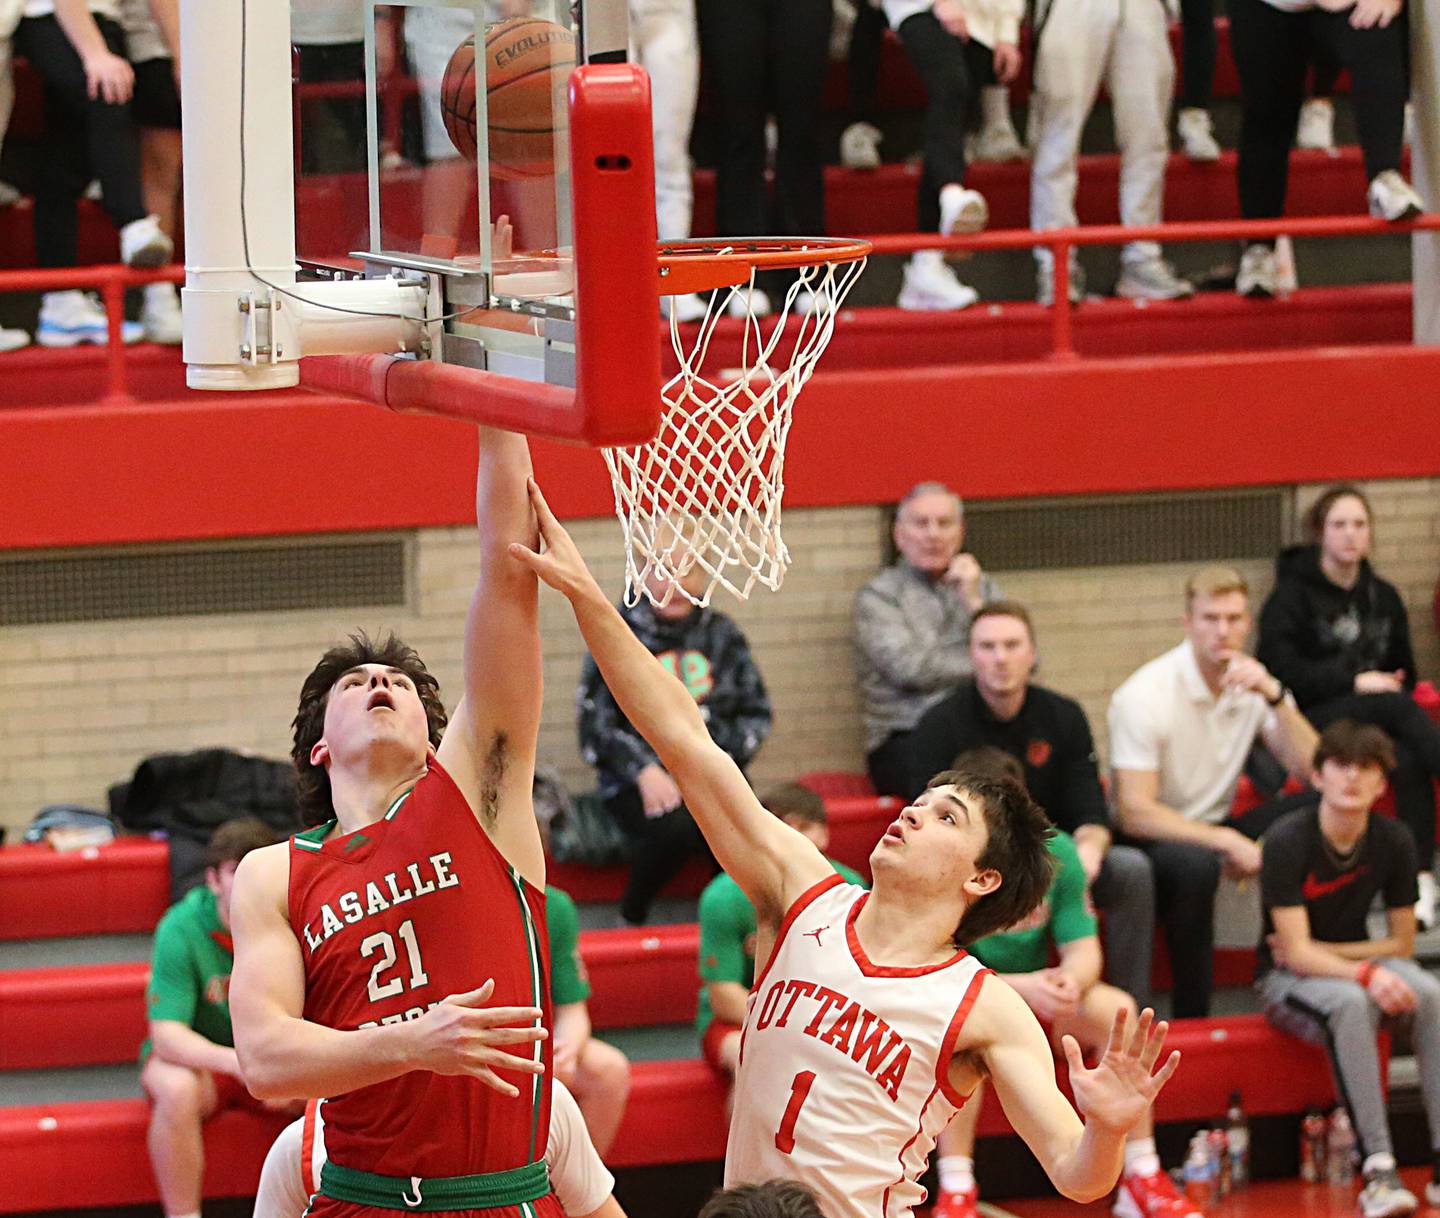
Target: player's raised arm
(1082, 1157)
(772, 862)
(284, 1056)
(489, 747)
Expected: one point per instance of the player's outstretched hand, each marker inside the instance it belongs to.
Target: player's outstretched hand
(461, 1035)
(561, 564)
(1123, 1085)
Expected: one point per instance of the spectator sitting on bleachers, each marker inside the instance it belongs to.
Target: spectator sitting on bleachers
(1049, 737)
(912, 623)
(152, 34)
(727, 933)
(1338, 635)
(598, 1074)
(10, 10)
(77, 48)
(1181, 728)
(1322, 977)
(957, 47)
(773, 1199)
(582, 1183)
(1272, 41)
(190, 1070)
(1080, 45)
(710, 654)
(1070, 1000)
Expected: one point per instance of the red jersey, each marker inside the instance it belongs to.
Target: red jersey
(391, 919)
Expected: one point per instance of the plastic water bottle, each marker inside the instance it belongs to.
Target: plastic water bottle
(1219, 1145)
(1237, 1129)
(1340, 1148)
(1312, 1146)
(1199, 1180)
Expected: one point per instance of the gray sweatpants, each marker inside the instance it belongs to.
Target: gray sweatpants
(1341, 1016)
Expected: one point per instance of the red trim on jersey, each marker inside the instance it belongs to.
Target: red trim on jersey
(900, 1158)
(797, 907)
(952, 1034)
(307, 1148)
(888, 970)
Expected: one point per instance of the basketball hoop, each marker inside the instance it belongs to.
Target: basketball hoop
(700, 504)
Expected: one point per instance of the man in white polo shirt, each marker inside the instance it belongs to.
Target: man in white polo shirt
(1181, 728)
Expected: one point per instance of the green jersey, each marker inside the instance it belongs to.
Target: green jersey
(568, 982)
(727, 937)
(1062, 917)
(190, 969)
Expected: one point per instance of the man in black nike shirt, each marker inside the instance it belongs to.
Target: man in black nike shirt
(1321, 975)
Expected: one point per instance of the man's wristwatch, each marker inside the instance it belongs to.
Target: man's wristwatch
(1280, 693)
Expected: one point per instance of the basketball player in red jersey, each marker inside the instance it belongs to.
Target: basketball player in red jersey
(393, 957)
(869, 1027)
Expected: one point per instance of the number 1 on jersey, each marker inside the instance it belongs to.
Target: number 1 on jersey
(799, 1090)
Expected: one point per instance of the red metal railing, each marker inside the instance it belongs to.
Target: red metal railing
(1062, 240)
(112, 281)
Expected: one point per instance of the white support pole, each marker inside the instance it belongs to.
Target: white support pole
(246, 322)
(1425, 164)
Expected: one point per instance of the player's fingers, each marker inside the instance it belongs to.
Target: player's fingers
(1137, 1043)
(1172, 1063)
(1116, 1043)
(471, 998)
(495, 1082)
(489, 1017)
(1073, 1056)
(1154, 1045)
(514, 1036)
(498, 1059)
(543, 514)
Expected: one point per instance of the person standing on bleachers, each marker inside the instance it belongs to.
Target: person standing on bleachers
(1048, 736)
(190, 1070)
(1338, 635)
(711, 655)
(958, 47)
(912, 626)
(78, 49)
(1125, 46)
(1181, 728)
(1068, 998)
(1322, 976)
(1274, 43)
(728, 928)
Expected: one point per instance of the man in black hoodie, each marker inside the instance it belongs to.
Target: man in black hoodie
(1337, 635)
(710, 654)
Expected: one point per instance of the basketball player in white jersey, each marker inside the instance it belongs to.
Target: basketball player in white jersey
(868, 1026)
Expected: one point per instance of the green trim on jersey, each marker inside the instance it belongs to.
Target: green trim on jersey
(436, 1194)
(532, 942)
(314, 839)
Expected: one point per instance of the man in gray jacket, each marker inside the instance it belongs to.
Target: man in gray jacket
(912, 627)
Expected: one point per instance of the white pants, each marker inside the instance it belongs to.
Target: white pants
(665, 43)
(1124, 45)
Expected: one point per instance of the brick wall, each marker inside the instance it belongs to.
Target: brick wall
(86, 702)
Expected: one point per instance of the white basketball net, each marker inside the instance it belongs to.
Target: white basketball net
(700, 504)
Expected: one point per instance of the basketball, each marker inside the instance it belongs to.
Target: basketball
(528, 62)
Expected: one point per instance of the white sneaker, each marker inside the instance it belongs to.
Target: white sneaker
(1425, 906)
(689, 307)
(962, 210)
(1385, 1196)
(1316, 128)
(1432, 1194)
(1392, 198)
(68, 319)
(995, 142)
(1152, 279)
(1259, 273)
(13, 340)
(160, 315)
(748, 302)
(144, 244)
(1045, 281)
(928, 283)
(1197, 134)
(860, 146)
(9, 195)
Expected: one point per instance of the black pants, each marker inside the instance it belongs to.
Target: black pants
(85, 139)
(763, 57)
(954, 70)
(1417, 757)
(1273, 52)
(658, 848)
(867, 36)
(1186, 877)
(1197, 53)
(332, 129)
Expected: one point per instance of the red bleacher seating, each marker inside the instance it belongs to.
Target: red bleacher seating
(120, 888)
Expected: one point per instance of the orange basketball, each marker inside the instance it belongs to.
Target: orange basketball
(528, 62)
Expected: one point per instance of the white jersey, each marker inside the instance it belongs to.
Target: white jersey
(843, 1082)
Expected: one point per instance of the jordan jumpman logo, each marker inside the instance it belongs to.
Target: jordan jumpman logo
(817, 932)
